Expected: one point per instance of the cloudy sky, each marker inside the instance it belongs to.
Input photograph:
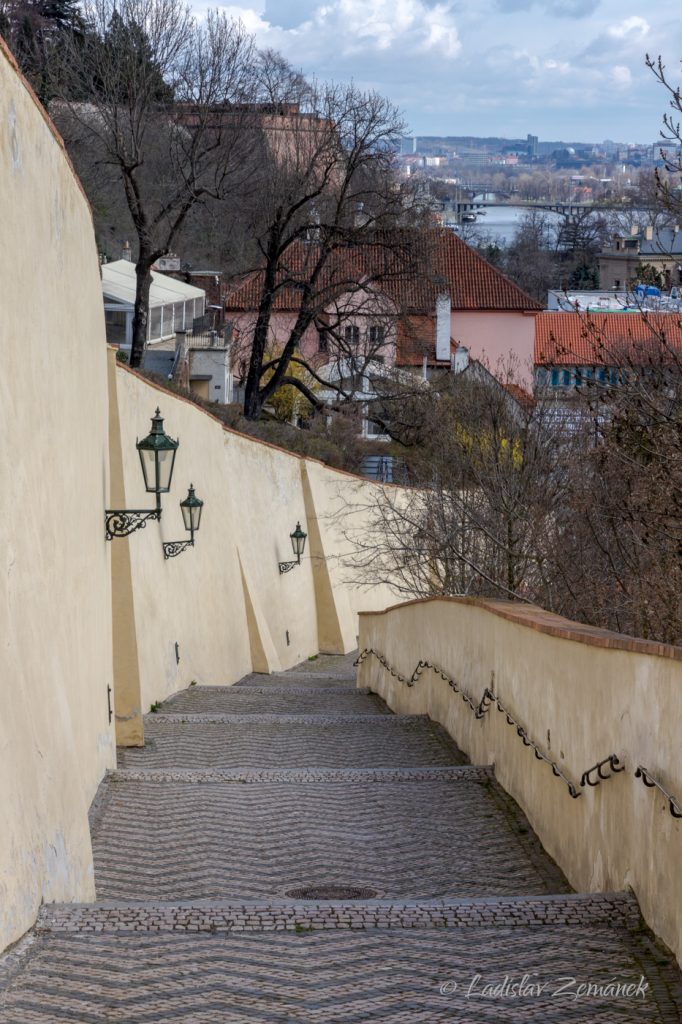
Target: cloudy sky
(560, 69)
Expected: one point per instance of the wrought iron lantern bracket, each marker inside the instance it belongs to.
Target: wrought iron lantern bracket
(172, 548)
(298, 538)
(119, 522)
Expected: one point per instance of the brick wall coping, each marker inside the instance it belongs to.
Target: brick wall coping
(534, 617)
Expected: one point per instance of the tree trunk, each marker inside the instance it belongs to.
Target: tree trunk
(143, 272)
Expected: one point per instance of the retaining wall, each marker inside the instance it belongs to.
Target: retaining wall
(580, 695)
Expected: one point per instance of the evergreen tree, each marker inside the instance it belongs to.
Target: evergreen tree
(34, 29)
(132, 68)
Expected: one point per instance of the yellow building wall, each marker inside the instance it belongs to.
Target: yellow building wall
(581, 694)
(224, 602)
(55, 602)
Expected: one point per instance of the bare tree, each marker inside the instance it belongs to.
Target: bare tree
(483, 489)
(324, 213)
(618, 552)
(138, 97)
(530, 260)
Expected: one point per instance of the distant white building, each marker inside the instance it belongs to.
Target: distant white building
(173, 305)
(572, 301)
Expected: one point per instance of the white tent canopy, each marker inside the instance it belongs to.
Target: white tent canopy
(173, 305)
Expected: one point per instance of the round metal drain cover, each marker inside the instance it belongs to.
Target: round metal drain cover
(331, 892)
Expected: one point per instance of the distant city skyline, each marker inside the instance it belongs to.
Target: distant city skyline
(559, 69)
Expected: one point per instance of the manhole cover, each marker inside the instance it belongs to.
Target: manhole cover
(331, 892)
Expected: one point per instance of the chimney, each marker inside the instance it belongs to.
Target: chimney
(649, 233)
(461, 359)
(126, 254)
(443, 308)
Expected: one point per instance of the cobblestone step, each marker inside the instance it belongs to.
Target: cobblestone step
(272, 741)
(456, 773)
(300, 680)
(405, 840)
(544, 973)
(617, 910)
(274, 699)
(245, 795)
(377, 718)
(327, 671)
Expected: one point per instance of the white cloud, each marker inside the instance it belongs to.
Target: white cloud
(562, 66)
(631, 28)
(450, 63)
(621, 76)
(386, 25)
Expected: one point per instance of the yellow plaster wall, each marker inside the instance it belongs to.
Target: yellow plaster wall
(224, 602)
(582, 695)
(55, 601)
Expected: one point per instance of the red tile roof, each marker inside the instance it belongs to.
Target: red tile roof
(520, 395)
(447, 264)
(604, 339)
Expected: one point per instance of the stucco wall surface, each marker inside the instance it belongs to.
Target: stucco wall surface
(55, 602)
(581, 695)
(493, 335)
(224, 602)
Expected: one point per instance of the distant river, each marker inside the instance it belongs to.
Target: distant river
(500, 223)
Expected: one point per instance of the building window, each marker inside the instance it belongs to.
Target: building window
(352, 334)
(376, 336)
(601, 375)
(565, 378)
(616, 283)
(555, 379)
(323, 340)
(115, 326)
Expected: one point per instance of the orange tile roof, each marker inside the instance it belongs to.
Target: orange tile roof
(520, 395)
(448, 263)
(603, 339)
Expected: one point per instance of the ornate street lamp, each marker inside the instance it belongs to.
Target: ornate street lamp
(191, 509)
(298, 539)
(157, 458)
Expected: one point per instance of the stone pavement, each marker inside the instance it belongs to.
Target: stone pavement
(208, 841)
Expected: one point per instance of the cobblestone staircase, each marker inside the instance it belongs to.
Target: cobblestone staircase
(228, 849)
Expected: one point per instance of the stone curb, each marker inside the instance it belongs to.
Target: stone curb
(344, 718)
(456, 773)
(278, 691)
(618, 910)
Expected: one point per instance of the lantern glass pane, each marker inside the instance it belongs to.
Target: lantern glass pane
(148, 469)
(166, 460)
(186, 516)
(298, 539)
(191, 516)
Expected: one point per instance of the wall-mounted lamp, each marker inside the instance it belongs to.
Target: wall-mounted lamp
(298, 539)
(157, 457)
(191, 513)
